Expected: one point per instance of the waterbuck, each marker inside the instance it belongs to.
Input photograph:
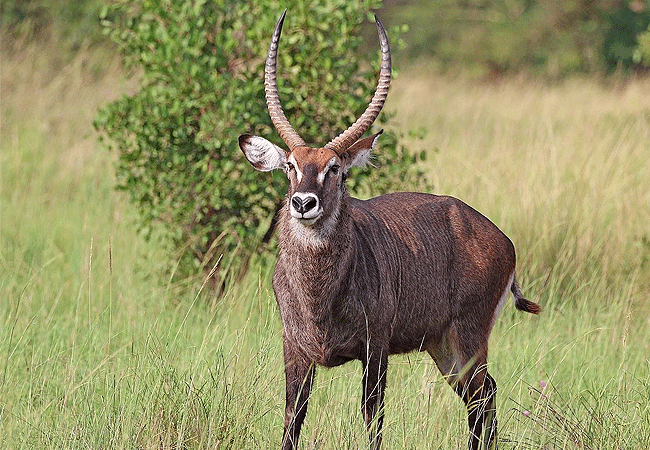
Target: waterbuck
(366, 279)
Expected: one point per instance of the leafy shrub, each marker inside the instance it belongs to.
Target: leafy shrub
(642, 52)
(625, 23)
(554, 38)
(201, 64)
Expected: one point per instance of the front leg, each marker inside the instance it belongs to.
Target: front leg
(375, 366)
(299, 378)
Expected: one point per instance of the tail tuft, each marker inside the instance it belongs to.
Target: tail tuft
(525, 305)
(521, 303)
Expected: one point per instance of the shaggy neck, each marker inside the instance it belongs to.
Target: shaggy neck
(318, 258)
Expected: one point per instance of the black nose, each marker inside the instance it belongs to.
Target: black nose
(296, 202)
(303, 205)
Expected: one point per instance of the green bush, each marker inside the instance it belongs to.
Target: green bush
(642, 52)
(553, 38)
(624, 25)
(201, 64)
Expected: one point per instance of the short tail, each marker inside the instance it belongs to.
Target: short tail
(521, 302)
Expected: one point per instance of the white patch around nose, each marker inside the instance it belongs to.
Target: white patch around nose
(308, 217)
(293, 162)
(321, 175)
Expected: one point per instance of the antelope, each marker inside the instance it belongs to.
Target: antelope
(365, 279)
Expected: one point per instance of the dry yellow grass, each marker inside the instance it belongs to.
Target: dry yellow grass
(50, 97)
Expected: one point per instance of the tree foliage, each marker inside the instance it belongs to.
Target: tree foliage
(623, 33)
(554, 38)
(641, 54)
(201, 64)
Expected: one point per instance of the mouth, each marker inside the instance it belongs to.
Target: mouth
(306, 221)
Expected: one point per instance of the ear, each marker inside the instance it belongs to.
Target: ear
(261, 153)
(359, 153)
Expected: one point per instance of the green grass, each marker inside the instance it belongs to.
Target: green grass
(99, 350)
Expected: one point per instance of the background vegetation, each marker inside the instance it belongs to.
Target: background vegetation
(548, 38)
(99, 349)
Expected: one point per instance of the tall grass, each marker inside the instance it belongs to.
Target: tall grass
(99, 350)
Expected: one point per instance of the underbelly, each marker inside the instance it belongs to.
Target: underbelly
(328, 354)
(418, 341)
(335, 360)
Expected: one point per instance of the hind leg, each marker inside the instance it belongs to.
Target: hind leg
(479, 392)
(465, 368)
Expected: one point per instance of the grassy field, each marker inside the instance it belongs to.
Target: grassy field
(97, 350)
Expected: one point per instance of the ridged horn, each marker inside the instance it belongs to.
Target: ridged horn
(285, 130)
(344, 140)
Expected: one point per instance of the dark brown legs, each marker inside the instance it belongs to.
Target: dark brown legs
(464, 363)
(375, 366)
(299, 379)
(471, 381)
(478, 393)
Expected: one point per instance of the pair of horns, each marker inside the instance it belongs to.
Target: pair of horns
(343, 141)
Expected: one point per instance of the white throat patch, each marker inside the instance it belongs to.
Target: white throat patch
(313, 237)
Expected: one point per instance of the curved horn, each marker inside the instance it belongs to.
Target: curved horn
(344, 140)
(286, 131)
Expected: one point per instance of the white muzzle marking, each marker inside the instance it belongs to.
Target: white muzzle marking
(305, 207)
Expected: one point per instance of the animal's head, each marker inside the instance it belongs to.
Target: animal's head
(316, 174)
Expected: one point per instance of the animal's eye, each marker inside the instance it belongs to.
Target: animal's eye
(335, 169)
(290, 167)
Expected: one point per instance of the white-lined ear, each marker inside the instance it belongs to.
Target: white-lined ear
(359, 153)
(261, 153)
